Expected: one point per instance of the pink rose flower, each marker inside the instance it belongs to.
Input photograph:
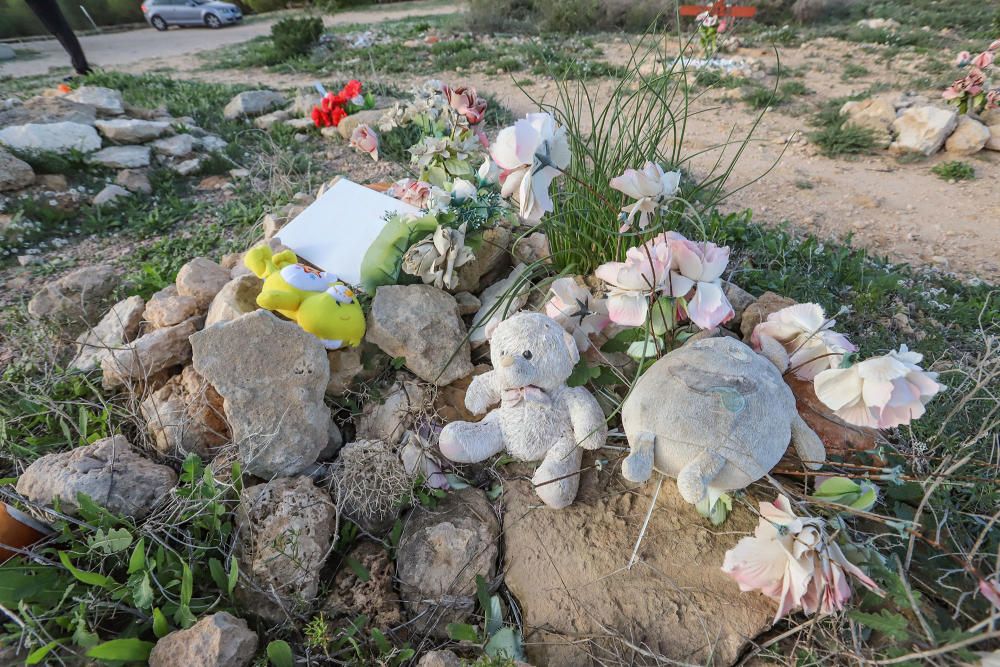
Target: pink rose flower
(364, 140)
(699, 267)
(467, 102)
(631, 283)
(962, 59)
(793, 561)
(880, 392)
(409, 190)
(808, 337)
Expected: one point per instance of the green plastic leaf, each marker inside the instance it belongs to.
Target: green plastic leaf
(280, 653)
(122, 650)
(661, 316)
(642, 349)
(506, 643)
(39, 654)
(621, 341)
(462, 632)
(382, 262)
(89, 578)
(716, 512)
(834, 487)
(161, 626)
(137, 561)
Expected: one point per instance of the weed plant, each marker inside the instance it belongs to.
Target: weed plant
(954, 170)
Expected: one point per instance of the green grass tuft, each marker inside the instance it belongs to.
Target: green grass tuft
(954, 170)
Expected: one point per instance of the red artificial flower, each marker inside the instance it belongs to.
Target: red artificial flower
(352, 89)
(338, 115)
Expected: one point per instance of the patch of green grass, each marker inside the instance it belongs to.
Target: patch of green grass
(713, 78)
(853, 71)
(794, 88)
(835, 137)
(954, 170)
(759, 97)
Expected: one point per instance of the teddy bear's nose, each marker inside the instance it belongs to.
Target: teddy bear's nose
(506, 361)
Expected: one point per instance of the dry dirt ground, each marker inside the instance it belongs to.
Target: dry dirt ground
(893, 208)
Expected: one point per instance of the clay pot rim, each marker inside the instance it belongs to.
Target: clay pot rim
(21, 517)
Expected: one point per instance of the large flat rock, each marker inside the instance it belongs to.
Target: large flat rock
(568, 570)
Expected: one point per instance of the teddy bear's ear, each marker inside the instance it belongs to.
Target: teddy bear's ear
(574, 351)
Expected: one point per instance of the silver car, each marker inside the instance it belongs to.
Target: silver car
(162, 14)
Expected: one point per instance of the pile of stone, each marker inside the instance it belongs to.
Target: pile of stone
(95, 122)
(905, 123)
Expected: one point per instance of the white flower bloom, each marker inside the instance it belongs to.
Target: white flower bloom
(530, 154)
(808, 337)
(651, 188)
(462, 189)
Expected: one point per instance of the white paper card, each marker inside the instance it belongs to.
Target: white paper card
(336, 230)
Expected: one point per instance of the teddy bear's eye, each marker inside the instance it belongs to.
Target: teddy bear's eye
(526, 354)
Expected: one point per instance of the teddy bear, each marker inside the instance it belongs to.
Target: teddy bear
(540, 418)
(316, 300)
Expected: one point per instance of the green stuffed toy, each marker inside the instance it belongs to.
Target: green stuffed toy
(316, 300)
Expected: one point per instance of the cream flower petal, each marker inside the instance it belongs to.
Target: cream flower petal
(838, 387)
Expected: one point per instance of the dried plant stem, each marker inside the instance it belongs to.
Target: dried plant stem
(645, 524)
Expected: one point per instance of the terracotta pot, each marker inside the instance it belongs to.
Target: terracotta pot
(18, 530)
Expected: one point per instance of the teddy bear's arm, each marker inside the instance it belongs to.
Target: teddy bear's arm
(483, 392)
(589, 426)
(278, 300)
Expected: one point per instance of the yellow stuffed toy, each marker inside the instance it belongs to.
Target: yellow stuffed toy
(316, 300)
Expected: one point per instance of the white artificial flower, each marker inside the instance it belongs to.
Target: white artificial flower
(530, 154)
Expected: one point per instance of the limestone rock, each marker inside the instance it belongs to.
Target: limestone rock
(990, 117)
(167, 308)
(306, 98)
(7, 53)
(60, 138)
(421, 324)
(148, 355)
(108, 471)
(375, 597)
(499, 301)
(253, 103)
(105, 100)
(969, 137)
(134, 180)
(676, 602)
(875, 113)
(52, 182)
(44, 109)
(118, 326)
(922, 130)
(993, 143)
(211, 143)
(179, 145)
(468, 303)
(389, 418)
(185, 416)
(272, 376)
(439, 659)
(202, 279)
(269, 120)
(757, 312)
(219, 640)
(878, 24)
(365, 117)
(490, 258)
(15, 173)
(345, 365)
(237, 297)
(121, 157)
(77, 297)
(132, 130)
(740, 300)
(187, 167)
(440, 553)
(111, 194)
(286, 528)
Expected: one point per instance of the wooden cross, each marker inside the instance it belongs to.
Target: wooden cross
(719, 8)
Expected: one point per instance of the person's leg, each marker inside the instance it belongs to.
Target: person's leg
(52, 18)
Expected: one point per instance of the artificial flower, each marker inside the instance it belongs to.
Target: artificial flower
(991, 591)
(489, 172)
(699, 267)
(962, 59)
(530, 154)
(994, 46)
(466, 102)
(364, 139)
(411, 191)
(631, 283)
(808, 337)
(462, 189)
(649, 187)
(419, 461)
(880, 392)
(577, 311)
(971, 84)
(993, 99)
(706, 19)
(983, 60)
(793, 561)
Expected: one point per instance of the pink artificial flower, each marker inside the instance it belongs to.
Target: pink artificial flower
(364, 140)
(409, 190)
(984, 59)
(880, 392)
(466, 102)
(699, 267)
(962, 59)
(808, 337)
(723, 24)
(650, 187)
(417, 460)
(953, 91)
(577, 311)
(991, 591)
(994, 46)
(643, 274)
(530, 154)
(993, 99)
(792, 560)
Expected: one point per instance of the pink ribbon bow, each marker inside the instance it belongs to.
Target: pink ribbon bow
(512, 397)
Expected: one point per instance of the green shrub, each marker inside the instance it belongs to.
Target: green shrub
(759, 97)
(260, 6)
(294, 37)
(954, 170)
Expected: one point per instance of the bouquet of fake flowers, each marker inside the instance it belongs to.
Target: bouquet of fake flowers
(971, 92)
(334, 108)
(709, 27)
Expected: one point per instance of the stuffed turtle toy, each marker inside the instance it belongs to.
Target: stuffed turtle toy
(716, 416)
(316, 300)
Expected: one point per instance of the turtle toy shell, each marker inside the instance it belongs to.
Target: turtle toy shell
(715, 415)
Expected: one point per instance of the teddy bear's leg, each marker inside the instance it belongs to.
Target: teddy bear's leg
(694, 478)
(469, 442)
(558, 477)
(807, 444)
(638, 465)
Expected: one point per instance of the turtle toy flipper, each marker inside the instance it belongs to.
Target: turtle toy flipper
(807, 444)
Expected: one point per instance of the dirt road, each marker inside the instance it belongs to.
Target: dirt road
(113, 50)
